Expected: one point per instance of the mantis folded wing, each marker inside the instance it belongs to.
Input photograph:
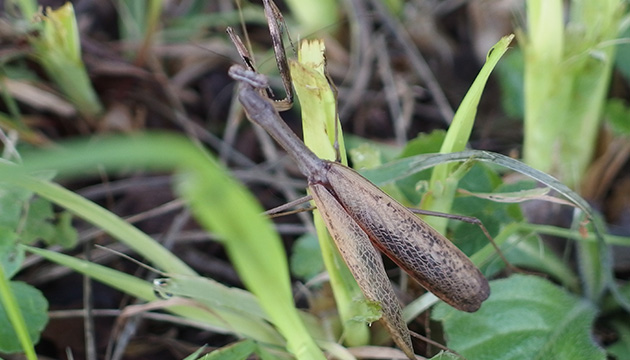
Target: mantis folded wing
(362, 218)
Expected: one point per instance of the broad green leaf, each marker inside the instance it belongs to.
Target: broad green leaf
(11, 256)
(617, 113)
(531, 253)
(510, 78)
(366, 156)
(526, 317)
(12, 199)
(423, 144)
(65, 234)
(469, 237)
(306, 257)
(34, 309)
(38, 222)
(621, 348)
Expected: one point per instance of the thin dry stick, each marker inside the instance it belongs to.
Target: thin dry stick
(391, 95)
(362, 56)
(417, 61)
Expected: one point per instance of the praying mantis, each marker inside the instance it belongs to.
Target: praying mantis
(361, 218)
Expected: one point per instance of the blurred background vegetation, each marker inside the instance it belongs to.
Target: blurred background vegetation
(558, 100)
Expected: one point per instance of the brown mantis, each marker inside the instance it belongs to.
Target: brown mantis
(361, 218)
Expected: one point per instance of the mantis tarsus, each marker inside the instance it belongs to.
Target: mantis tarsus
(361, 218)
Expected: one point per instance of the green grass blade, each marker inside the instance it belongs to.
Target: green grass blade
(218, 201)
(254, 248)
(408, 166)
(9, 302)
(218, 319)
(568, 64)
(112, 224)
(442, 191)
(319, 120)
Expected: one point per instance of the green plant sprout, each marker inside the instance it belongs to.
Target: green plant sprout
(567, 73)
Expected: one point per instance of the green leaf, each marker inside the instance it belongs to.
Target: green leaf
(237, 351)
(218, 201)
(12, 199)
(65, 234)
(371, 311)
(424, 144)
(38, 222)
(220, 319)
(320, 126)
(532, 253)
(11, 257)
(212, 294)
(196, 354)
(445, 356)
(444, 177)
(575, 49)
(306, 258)
(387, 151)
(510, 77)
(622, 60)
(265, 354)
(621, 348)
(34, 308)
(617, 114)
(40, 225)
(526, 317)
(469, 237)
(365, 155)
